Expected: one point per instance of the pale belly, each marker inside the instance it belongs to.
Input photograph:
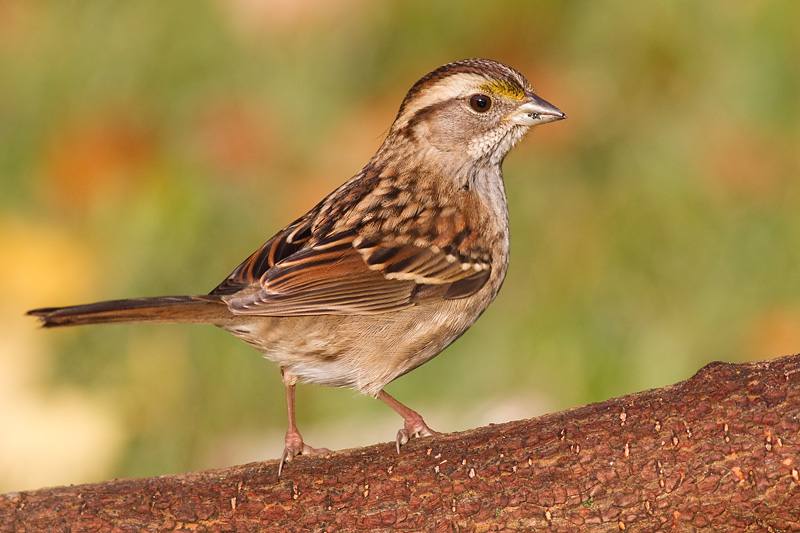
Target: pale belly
(361, 352)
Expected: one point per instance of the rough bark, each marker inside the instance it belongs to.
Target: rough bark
(718, 452)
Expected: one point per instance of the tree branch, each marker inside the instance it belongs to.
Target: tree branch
(720, 451)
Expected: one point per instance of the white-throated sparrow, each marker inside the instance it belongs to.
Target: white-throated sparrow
(391, 267)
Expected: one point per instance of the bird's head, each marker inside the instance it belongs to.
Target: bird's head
(477, 108)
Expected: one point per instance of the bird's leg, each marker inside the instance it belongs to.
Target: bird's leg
(414, 425)
(294, 441)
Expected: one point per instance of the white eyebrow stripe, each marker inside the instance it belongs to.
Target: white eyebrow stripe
(442, 90)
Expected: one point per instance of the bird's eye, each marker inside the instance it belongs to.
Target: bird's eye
(480, 103)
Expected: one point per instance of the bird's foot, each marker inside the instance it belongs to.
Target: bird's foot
(414, 427)
(294, 447)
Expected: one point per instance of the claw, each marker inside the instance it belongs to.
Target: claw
(415, 428)
(293, 449)
(286, 457)
(402, 438)
(414, 425)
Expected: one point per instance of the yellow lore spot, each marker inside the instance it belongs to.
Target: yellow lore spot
(504, 88)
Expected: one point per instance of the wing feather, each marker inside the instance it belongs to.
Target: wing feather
(343, 257)
(335, 278)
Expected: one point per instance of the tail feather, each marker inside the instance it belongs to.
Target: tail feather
(162, 309)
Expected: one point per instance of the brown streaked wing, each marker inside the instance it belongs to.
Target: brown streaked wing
(333, 278)
(427, 265)
(327, 279)
(287, 242)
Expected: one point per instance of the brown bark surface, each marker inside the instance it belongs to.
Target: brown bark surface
(718, 452)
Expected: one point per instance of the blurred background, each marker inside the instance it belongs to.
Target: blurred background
(147, 148)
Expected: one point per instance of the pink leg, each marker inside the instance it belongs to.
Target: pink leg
(414, 425)
(294, 441)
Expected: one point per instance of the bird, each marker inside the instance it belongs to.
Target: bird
(387, 270)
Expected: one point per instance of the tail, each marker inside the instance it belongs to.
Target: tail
(162, 309)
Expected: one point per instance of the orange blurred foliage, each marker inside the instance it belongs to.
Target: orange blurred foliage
(774, 333)
(235, 141)
(254, 18)
(741, 163)
(92, 158)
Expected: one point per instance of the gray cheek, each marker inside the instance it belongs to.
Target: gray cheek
(456, 134)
